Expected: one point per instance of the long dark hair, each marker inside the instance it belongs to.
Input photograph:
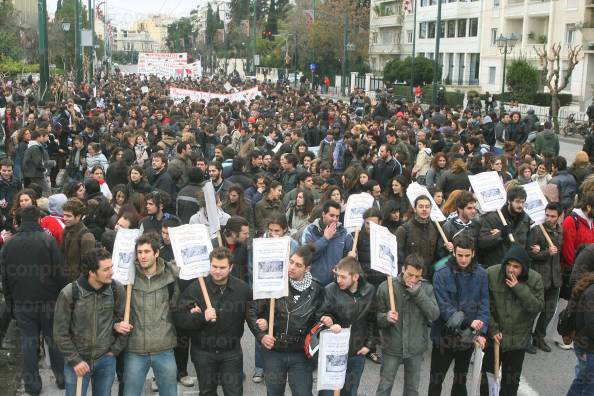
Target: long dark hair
(241, 205)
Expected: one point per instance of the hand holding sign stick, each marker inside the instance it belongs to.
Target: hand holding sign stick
(502, 218)
(205, 293)
(271, 317)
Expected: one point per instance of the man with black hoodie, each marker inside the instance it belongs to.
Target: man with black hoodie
(516, 296)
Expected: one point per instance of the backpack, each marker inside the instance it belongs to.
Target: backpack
(566, 325)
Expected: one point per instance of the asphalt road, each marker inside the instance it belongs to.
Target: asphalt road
(543, 373)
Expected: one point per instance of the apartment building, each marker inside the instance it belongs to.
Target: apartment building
(536, 23)
(391, 36)
(469, 54)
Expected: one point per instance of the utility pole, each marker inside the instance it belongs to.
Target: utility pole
(43, 51)
(344, 49)
(77, 47)
(436, 56)
(414, 43)
(92, 49)
(253, 62)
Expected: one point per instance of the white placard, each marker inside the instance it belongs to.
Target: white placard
(384, 250)
(489, 191)
(536, 203)
(415, 190)
(123, 257)
(179, 95)
(333, 356)
(271, 267)
(191, 247)
(162, 64)
(356, 205)
(212, 213)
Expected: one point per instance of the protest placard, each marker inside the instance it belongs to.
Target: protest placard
(384, 256)
(191, 247)
(415, 190)
(333, 356)
(123, 259)
(270, 267)
(356, 205)
(489, 191)
(535, 206)
(214, 225)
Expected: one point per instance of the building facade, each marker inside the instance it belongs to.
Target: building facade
(469, 55)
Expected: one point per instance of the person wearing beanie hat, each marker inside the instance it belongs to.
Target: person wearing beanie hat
(516, 295)
(54, 223)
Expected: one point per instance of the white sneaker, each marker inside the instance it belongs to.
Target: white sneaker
(154, 386)
(186, 381)
(562, 345)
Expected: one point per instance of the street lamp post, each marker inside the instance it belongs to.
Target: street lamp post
(77, 47)
(437, 66)
(43, 51)
(506, 45)
(66, 29)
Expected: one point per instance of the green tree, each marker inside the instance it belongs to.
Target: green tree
(522, 79)
(180, 35)
(401, 70)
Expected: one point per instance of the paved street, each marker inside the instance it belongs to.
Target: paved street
(543, 373)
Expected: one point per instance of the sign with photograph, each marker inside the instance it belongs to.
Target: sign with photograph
(415, 190)
(356, 205)
(488, 190)
(271, 267)
(384, 250)
(333, 356)
(536, 202)
(123, 257)
(191, 247)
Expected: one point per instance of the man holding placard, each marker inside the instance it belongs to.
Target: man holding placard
(151, 343)
(465, 222)
(494, 238)
(294, 315)
(84, 330)
(545, 261)
(216, 331)
(419, 235)
(347, 303)
(405, 332)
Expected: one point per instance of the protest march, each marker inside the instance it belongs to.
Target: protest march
(152, 221)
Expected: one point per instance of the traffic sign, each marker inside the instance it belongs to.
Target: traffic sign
(312, 67)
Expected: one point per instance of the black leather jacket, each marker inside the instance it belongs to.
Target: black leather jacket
(352, 309)
(292, 319)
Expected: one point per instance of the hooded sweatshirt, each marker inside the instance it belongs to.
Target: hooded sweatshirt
(513, 309)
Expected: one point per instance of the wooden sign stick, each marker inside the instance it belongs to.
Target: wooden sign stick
(546, 235)
(79, 384)
(443, 236)
(511, 236)
(391, 294)
(355, 240)
(496, 354)
(128, 302)
(204, 292)
(271, 317)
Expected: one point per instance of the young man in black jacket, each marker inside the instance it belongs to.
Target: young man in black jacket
(295, 314)
(216, 332)
(347, 303)
(32, 278)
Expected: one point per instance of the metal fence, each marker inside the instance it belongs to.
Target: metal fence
(376, 83)
(360, 82)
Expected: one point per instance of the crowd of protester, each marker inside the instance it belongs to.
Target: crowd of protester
(121, 154)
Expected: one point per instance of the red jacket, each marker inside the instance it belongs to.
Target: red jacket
(55, 226)
(575, 236)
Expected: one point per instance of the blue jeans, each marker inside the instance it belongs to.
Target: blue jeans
(280, 365)
(259, 366)
(102, 373)
(136, 368)
(33, 320)
(583, 384)
(355, 367)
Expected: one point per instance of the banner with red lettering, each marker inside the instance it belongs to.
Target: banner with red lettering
(180, 94)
